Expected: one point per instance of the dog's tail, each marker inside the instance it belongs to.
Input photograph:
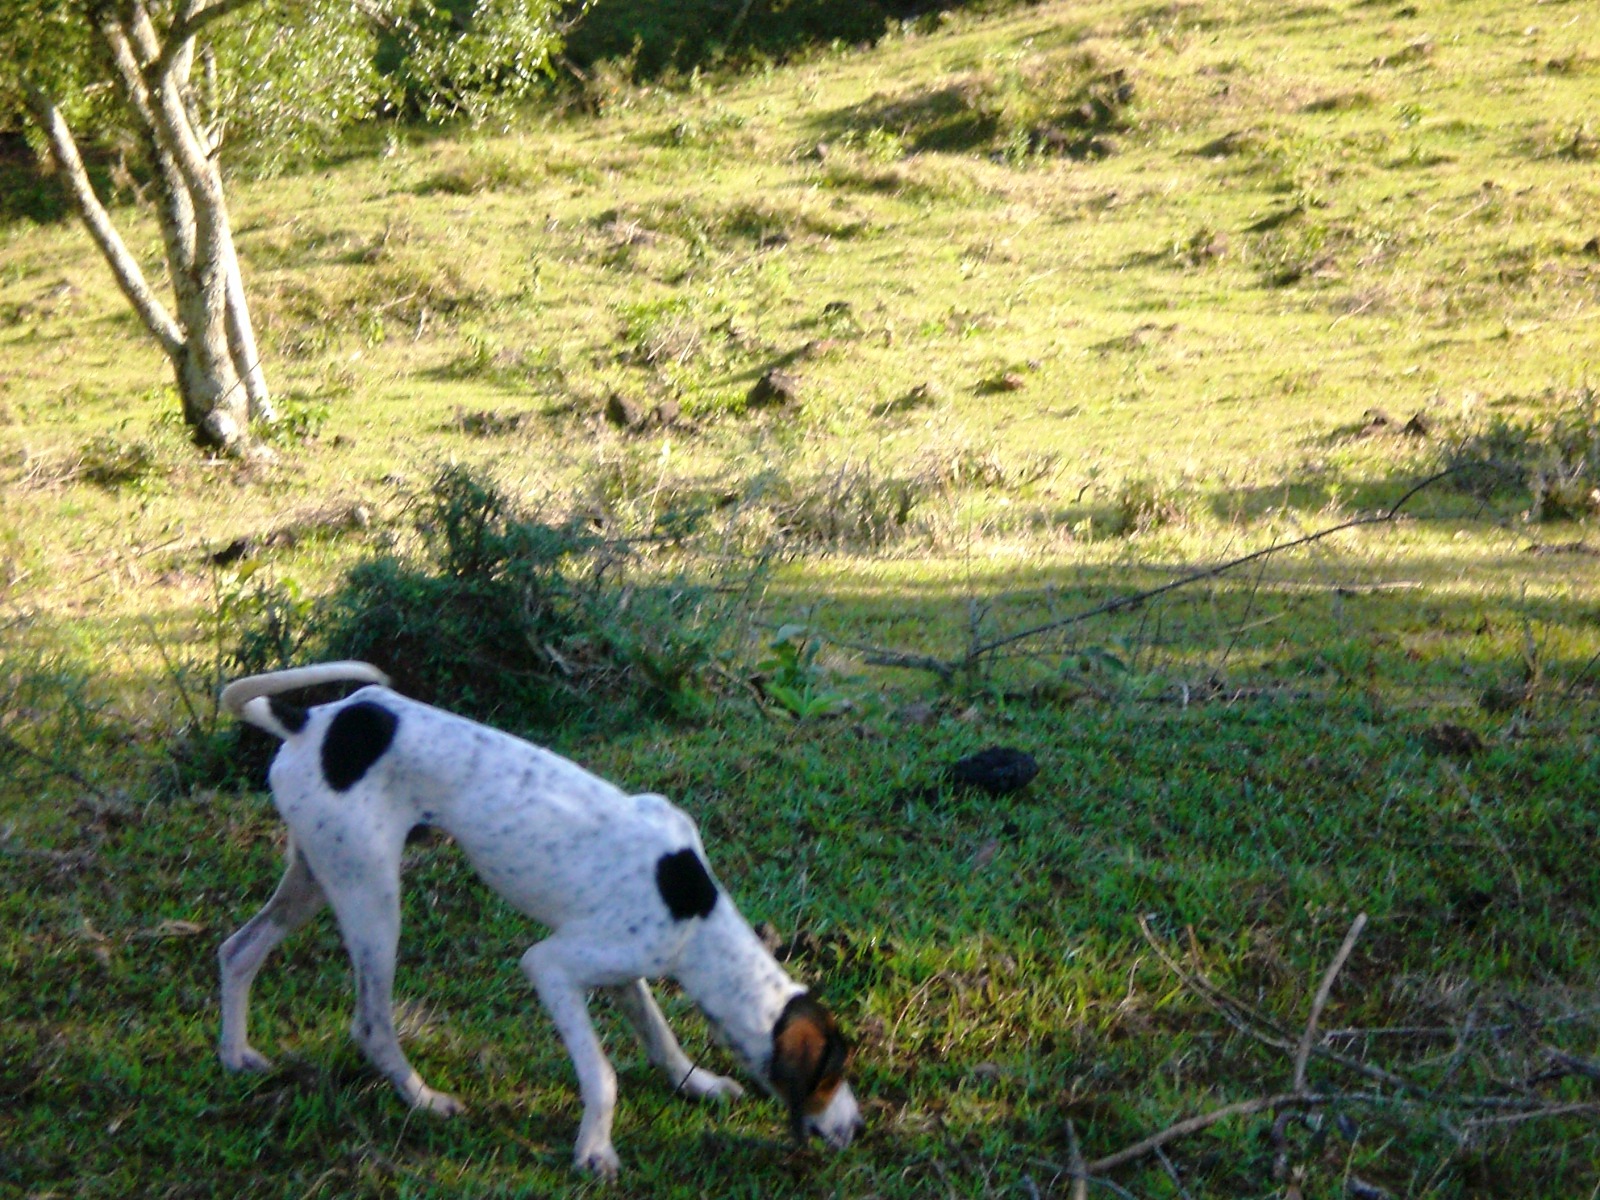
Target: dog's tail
(248, 698)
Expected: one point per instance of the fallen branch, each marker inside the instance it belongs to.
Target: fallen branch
(946, 669)
(1491, 1111)
(1262, 1028)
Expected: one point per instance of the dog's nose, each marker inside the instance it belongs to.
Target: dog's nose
(840, 1136)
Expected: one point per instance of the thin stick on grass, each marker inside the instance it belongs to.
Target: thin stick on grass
(1192, 1125)
(1300, 1097)
(1262, 1028)
(1075, 1167)
(1302, 1056)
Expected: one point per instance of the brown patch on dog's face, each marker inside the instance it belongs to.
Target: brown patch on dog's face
(809, 1056)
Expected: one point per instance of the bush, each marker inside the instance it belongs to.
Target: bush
(506, 618)
(1553, 458)
(656, 38)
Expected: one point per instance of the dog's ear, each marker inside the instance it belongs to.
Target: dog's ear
(809, 1056)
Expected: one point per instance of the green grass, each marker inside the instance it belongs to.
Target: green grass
(1079, 299)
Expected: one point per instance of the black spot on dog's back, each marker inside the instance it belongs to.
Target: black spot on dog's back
(685, 885)
(357, 737)
(291, 716)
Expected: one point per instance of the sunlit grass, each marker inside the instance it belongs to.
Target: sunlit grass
(1034, 376)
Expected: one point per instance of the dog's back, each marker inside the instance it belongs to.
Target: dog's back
(556, 841)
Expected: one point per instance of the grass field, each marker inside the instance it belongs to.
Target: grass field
(952, 351)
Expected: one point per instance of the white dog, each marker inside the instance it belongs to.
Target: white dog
(621, 881)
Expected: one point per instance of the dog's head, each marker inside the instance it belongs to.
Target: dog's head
(809, 1056)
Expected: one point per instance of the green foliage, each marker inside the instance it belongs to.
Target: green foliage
(656, 38)
(791, 679)
(504, 617)
(288, 79)
(462, 58)
(291, 78)
(1551, 457)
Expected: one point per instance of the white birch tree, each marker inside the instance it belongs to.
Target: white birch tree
(100, 68)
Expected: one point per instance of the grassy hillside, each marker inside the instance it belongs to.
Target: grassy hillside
(949, 350)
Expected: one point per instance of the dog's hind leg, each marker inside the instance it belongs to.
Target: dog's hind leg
(297, 899)
(639, 1007)
(365, 896)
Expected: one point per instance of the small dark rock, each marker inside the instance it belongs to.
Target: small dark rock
(1420, 425)
(623, 412)
(232, 552)
(775, 388)
(998, 770)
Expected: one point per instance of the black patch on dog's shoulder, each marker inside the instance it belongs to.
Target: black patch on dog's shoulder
(685, 885)
(291, 716)
(357, 737)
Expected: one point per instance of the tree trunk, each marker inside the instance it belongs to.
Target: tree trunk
(208, 337)
(242, 345)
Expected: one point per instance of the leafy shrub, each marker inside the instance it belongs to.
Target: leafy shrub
(504, 617)
(791, 680)
(848, 505)
(1143, 504)
(1553, 458)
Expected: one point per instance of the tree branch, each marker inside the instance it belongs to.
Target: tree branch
(948, 668)
(1209, 572)
(64, 150)
(193, 17)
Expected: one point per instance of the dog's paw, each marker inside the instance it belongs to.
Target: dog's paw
(247, 1058)
(703, 1085)
(440, 1104)
(600, 1161)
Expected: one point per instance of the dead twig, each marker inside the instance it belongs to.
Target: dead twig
(1075, 1167)
(1489, 1111)
(1195, 1124)
(1262, 1028)
(1303, 1055)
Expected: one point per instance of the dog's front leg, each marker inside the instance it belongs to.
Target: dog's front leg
(662, 1049)
(563, 995)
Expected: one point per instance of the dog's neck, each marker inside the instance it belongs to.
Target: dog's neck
(737, 983)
